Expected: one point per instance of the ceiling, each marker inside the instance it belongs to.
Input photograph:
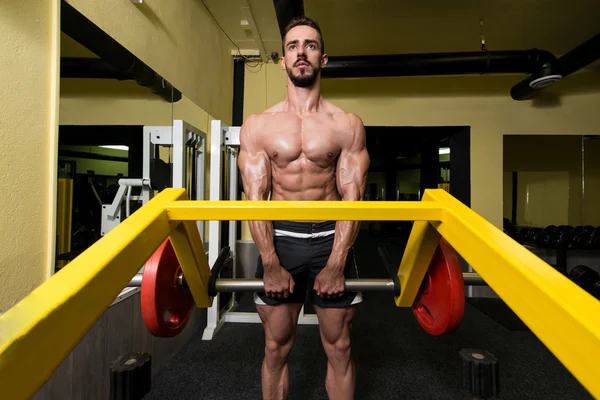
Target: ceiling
(358, 27)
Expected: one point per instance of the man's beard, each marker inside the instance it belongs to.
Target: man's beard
(305, 79)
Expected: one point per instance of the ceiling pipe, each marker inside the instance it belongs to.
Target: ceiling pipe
(483, 62)
(82, 30)
(581, 56)
(286, 10)
(96, 68)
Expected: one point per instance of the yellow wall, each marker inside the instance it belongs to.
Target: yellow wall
(558, 181)
(178, 39)
(481, 102)
(29, 61)
(111, 102)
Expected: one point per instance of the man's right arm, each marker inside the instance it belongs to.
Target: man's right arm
(255, 168)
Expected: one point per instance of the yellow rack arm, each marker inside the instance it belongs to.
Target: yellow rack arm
(562, 315)
(420, 249)
(43, 328)
(245, 210)
(192, 259)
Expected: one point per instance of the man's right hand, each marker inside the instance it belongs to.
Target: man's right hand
(278, 282)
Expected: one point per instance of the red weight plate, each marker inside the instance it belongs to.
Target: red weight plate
(440, 303)
(166, 307)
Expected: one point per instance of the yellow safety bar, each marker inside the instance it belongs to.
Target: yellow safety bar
(43, 328)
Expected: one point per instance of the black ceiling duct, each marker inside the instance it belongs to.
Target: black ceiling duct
(286, 10)
(582, 55)
(82, 30)
(482, 62)
(82, 67)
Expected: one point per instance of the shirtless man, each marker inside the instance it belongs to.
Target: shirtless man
(305, 148)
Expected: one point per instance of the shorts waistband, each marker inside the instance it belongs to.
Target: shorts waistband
(300, 229)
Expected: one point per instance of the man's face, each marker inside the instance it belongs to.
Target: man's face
(303, 58)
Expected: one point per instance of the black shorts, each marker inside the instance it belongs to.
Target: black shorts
(303, 249)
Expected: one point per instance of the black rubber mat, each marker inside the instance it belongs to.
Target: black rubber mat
(497, 310)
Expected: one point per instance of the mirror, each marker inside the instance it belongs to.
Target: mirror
(551, 195)
(551, 180)
(103, 113)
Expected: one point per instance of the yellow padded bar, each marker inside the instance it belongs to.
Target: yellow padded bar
(245, 210)
(190, 253)
(420, 249)
(561, 314)
(42, 329)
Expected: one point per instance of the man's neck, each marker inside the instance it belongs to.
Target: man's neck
(303, 100)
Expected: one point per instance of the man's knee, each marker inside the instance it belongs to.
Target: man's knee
(280, 326)
(340, 349)
(277, 352)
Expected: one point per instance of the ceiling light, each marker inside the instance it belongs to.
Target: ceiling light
(444, 150)
(116, 147)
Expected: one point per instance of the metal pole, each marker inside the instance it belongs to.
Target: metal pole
(256, 285)
(352, 285)
(473, 279)
(136, 281)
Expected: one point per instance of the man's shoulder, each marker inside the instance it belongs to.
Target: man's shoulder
(343, 116)
(262, 117)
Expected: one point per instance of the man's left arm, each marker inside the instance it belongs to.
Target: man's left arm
(352, 169)
(351, 177)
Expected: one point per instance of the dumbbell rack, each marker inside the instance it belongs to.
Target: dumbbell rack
(563, 239)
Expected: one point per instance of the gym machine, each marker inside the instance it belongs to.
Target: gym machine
(186, 147)
(224, 147)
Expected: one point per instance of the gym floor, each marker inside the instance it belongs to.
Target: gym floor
(394, 357)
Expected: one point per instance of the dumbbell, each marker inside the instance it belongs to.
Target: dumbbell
(545, 237)
(586, 237)
(586, 278)
(534, 235)
(522, 235)
(595, 239)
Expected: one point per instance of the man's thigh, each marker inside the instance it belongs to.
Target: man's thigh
(335, 323)
(279, 322)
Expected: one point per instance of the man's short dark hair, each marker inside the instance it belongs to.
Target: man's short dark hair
(298, 21)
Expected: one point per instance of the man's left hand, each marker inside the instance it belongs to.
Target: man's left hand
(330, 282)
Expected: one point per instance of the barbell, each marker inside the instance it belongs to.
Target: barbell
(238, 285)
(167, 303)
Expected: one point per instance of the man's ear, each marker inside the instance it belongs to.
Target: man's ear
(282, 62)
(324, 59)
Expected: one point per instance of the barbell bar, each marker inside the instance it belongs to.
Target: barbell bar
(352, 285)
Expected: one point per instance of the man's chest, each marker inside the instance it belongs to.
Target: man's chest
(317, 139)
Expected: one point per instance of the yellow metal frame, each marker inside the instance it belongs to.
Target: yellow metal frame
(43, 328)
